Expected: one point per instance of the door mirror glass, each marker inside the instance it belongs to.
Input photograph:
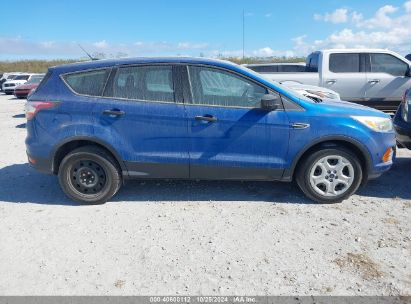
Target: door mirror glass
(270, 102)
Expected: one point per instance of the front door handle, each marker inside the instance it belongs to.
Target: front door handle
(300, 125)
(113, 113)
(374, 81)
(206, 118)
(331, 81)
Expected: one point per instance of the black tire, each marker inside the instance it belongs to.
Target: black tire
(98, 167)
(306, 165)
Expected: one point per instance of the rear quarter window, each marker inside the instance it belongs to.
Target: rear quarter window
(87, 83)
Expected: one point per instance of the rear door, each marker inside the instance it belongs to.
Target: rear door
(346, 75)
(142, 113)
(231, 137)
(386, 81)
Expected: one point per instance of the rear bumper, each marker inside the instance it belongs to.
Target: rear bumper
(43, 165)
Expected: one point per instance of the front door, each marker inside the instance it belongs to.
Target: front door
(231, 137)
(386, 81)
(141, 112)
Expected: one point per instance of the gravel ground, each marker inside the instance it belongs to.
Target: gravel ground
(257, 238)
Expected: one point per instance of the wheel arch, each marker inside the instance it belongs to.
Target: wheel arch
(72, 143)
(333, 141)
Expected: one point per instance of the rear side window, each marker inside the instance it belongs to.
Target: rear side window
(149, 83)
(385, 63)
(345, 63)
(88, 83)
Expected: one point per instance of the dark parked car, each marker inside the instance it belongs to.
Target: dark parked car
(98, 123)
(402, 121)
(277, 67)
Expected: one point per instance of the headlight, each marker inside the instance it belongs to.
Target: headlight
(323, 94)
(378, 124)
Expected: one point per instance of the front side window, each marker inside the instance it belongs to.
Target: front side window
(345, 63)
(385, 63)
(221, 88)
(149, 83)
(88, 83)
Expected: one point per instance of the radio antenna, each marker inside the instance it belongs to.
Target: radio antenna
(91, 57)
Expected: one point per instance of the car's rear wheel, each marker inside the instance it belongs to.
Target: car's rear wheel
(330, 175)
(89, 175)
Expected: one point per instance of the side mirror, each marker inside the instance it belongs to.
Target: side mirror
(270, 102)
(408, 72)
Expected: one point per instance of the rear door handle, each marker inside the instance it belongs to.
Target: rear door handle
(206, 118)
(331, 81)
(113, 112)
(374, 81)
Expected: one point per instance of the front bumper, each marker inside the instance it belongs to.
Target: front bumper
(22, 93)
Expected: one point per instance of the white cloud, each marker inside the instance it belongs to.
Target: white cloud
(381, 18)
(101, 44)
(189, 45)
(269, 52)
(340, 15)
(388, 28)
(356, 17)
(17, 47)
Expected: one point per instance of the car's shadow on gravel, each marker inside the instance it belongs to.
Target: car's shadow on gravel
(395, 183)
(20, 183)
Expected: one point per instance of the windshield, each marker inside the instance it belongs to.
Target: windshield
(277, 84)
(21, 77)
(35, 79)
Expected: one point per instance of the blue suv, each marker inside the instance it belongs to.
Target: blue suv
(96, 124)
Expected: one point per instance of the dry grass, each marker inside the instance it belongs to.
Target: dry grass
(41, 66)
(31, 66)
(361, 263)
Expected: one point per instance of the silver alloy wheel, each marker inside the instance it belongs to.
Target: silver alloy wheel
(332, 175)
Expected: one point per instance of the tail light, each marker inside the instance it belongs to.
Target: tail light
(33, 107)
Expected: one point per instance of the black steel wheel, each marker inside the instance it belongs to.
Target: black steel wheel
(89, 175)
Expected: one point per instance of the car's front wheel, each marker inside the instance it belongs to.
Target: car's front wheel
(329, 175)
(89, 175)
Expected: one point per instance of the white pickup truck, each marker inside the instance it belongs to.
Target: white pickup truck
(372, 77)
